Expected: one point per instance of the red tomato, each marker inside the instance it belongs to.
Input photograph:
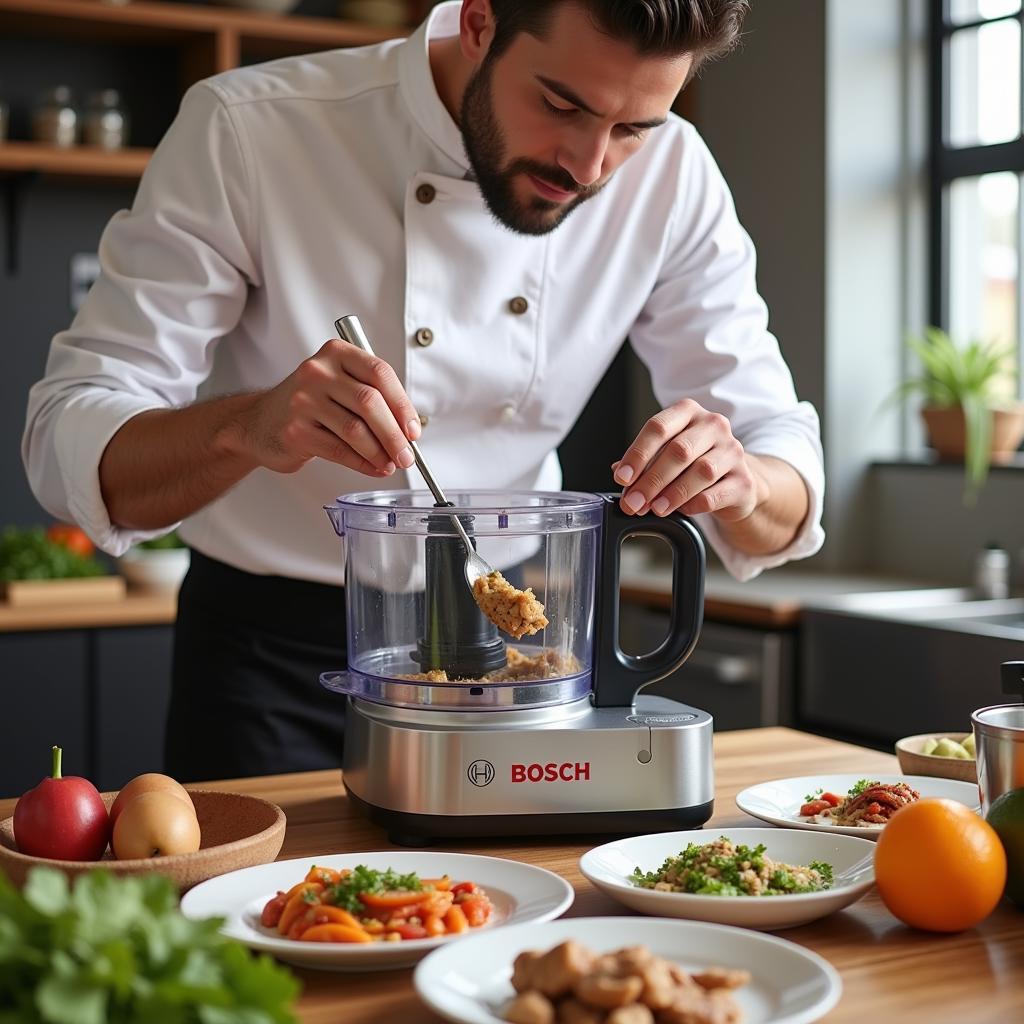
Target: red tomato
(72, 538)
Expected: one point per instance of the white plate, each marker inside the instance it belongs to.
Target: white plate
(469, 983)
(519, 893)
(779, 802)
(852, 860)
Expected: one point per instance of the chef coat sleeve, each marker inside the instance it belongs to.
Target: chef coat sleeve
(175, 271)
(703, 334)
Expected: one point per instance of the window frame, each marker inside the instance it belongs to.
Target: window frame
(948, 164)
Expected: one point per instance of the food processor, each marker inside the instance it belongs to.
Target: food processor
(454, 728)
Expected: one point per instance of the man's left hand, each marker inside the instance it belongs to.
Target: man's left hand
(686, 459)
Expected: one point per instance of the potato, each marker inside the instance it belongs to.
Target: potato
(929, 745)
(950, 748)
(968, 745)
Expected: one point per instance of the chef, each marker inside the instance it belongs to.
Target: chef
(502, 198)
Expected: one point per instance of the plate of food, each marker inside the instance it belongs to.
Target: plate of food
(849, 804)
(374, 911)
(751, 877)
(579, 968)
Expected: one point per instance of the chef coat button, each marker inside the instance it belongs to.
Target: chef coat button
(508, 412)
(518, 305)
(425, 193)
(424, 337)
(424, 419)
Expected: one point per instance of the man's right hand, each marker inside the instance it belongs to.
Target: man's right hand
(341, 405)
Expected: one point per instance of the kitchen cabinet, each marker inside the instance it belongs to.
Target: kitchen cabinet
(132, 689)
(101, 694)
(45, 692)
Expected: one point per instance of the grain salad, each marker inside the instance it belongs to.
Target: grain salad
(724, 869)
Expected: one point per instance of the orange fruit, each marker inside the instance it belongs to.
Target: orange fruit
(939, 866)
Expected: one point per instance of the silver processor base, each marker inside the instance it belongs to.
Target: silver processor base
(433, 775)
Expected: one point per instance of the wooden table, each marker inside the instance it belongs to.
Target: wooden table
(890, 972)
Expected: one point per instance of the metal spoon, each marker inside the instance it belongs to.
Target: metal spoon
(351, 330)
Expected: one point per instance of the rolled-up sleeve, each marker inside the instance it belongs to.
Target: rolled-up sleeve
(174, 275)
(704, 335)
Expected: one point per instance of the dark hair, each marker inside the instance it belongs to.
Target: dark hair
(704, 28)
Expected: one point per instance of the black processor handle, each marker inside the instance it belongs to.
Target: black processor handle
(1012, 676)
(618, 675)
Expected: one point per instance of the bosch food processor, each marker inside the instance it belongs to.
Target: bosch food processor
(454, 728)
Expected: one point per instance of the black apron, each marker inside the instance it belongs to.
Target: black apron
(245, 692)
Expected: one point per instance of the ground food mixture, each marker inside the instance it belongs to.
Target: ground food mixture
(722, 869)
(516, 612)
(544, 664)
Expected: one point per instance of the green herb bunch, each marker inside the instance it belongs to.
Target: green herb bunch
(28, 554)
(168, 542)
(116, 950)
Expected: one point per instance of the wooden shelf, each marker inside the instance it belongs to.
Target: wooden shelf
(141, 607)
(78, 161)
(268, 34)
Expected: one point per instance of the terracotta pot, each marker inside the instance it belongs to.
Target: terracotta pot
(946, 432)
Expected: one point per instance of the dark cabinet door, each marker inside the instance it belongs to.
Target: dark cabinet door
(45, 702)
(133, 684)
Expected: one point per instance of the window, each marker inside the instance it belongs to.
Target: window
(977, 165)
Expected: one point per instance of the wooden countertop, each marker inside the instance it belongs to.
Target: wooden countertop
(889, 972)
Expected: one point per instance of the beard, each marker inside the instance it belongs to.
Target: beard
(485, 147)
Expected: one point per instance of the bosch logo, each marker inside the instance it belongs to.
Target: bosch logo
(480, 773)
(567, 771)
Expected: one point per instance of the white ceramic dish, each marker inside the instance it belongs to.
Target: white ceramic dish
(610, 866)
(161, 568)
(469, 983)
(779, 802)
(520, 893)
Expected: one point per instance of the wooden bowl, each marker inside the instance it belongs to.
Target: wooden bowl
(913, 762)
(238, 832)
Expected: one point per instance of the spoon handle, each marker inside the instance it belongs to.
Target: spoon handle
(351, 330)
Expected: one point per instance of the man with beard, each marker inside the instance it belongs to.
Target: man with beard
(502, 198)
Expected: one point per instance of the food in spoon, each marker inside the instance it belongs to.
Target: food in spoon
(722, 868)
(516, 612)
(63, 817)
(867, 805)
(574, 985)
(364, 905)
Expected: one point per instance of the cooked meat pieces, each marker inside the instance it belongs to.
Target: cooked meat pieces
(530, 1008)
(571, 985)
(516, 612)
(556, 972)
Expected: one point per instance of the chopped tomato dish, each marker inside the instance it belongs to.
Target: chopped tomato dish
(363, 905)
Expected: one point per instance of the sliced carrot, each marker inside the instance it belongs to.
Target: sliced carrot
(442, 884)
(302, 923)
(436, 903)
(298, 904)
(433, 924)
(328, 876)
(335, 915)
(390, 898)
(455, 920)
(335, 933)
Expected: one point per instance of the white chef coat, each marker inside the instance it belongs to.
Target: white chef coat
(287, 194)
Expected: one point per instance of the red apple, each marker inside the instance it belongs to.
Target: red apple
(62, 818)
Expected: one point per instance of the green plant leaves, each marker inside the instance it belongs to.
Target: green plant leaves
(113, 950)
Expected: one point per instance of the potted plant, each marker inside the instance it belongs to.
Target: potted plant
(966, 418)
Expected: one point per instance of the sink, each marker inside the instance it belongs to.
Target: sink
(951, 608)
(878, 666)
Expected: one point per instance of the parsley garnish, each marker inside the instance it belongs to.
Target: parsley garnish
(363, 879)
(859, 787)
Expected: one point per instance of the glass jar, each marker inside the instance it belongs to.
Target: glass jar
(106, 121)
(55, 119)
